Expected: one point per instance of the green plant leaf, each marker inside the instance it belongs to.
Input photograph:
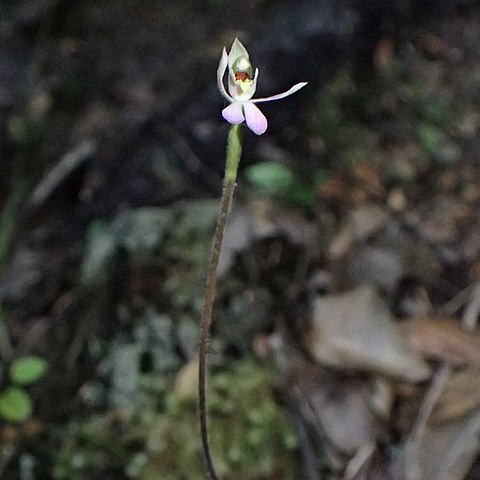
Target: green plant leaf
(430, 138)
(272, 178)
(28, 370)
(275, 179)
(15, 404)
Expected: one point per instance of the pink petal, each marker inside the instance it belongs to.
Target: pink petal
(294, 89)
(233, 113)
(256, 120)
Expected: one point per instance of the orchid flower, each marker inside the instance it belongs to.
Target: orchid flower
(241, 88)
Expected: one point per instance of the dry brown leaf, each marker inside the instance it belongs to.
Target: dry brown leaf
(443, 339)
(460, 396)
(382, 267)
(383, 53)
(355, 330)
(337, 409)
(335, 189)
(368, 178)
(433, 44)
(362, 222)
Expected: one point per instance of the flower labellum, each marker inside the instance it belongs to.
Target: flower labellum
(242, 84)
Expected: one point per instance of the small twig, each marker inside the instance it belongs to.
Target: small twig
(457, 302)
(306, 448)
(470, 316)
(234, 151)
(192, 162)
(413, 443)
(6, 347)
(360, 461)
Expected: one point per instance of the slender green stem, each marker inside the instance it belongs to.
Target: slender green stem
(234, 151)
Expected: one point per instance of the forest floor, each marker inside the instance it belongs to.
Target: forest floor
(345, 342)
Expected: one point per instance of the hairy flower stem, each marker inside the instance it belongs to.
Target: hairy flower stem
(234, 151)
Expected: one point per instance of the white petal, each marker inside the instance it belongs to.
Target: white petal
(294, 89)
(237, 51)
(253, 88)
(222, 66)
(256, 120)
(234, 90)
(233, 113)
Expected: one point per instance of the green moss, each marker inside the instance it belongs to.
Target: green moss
(250, 435)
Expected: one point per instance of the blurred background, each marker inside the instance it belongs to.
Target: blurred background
(344, 344)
